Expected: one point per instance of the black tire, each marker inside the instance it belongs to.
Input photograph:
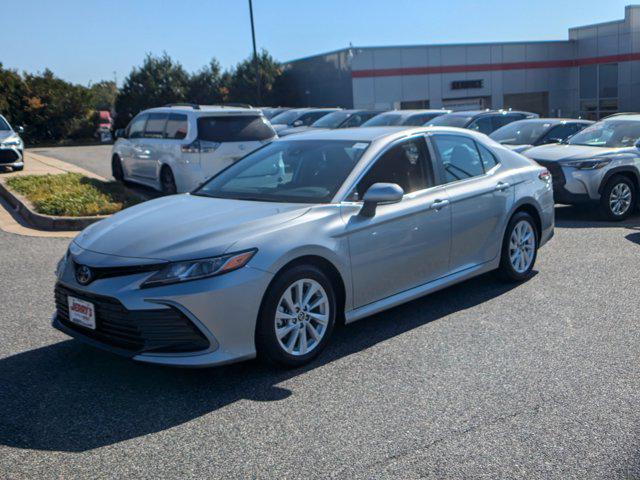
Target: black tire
(506, 271)
(267, 344)
(116, 169)
(167, 181)
(18, 169)
(615, 183)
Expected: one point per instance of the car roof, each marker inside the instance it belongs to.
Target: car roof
(625, 116)
(477, 113)
(371, 134)
(206, 109)
(553, 121)
(407, 113)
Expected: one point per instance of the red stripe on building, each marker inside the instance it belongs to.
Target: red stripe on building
(491, 67)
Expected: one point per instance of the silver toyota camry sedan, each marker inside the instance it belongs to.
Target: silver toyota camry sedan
(265, 258)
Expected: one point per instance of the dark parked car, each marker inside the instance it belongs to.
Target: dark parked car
(299, 117)
(339, 119)
(412, 118)
(483, 121)
(524, 134)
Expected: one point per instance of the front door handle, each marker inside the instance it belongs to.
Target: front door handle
(502, 186)
(438, 204)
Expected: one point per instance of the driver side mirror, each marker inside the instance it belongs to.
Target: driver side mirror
(20, 129)
(380, 193)
(298, 123)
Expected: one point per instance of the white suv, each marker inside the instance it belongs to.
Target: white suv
(177, 147)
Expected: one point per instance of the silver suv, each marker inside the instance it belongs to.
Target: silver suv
(600, 165)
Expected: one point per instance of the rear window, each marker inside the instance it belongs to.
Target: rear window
(234, 129)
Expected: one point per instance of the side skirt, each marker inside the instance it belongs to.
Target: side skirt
(420, 291)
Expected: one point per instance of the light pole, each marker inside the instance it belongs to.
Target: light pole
(256, 64)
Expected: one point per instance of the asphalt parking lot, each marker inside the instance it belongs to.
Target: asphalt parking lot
(482, 380)
(95, 158)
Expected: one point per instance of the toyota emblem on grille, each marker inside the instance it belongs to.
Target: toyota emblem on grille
(84, 275)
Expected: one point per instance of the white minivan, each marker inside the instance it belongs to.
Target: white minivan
(175, 148)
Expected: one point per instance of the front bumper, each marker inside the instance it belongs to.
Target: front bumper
(574, 186)
(11, 157)
(223, 310)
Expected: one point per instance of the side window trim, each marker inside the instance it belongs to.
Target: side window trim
(352, 188)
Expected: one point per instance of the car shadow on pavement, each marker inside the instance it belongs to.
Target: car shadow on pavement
(70, 397)
(588, 216)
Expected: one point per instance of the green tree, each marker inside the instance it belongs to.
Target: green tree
(242, 81)
(55, 109)
(157, 82)
(205, 86)
(12, 93)
(103, 95)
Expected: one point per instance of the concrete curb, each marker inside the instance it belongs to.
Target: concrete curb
(44, 222)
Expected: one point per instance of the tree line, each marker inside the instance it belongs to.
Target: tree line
(54, 110)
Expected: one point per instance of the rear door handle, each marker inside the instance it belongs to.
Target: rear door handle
(438, 204)
(501, 186)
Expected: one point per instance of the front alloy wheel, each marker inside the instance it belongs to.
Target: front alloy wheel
(618, 198)
(519, 248)
(297, 316)
(301, 317)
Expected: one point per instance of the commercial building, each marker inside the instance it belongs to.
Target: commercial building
(594, 73)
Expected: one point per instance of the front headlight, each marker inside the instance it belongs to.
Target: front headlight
(196, 269)
(592, 164)
(12, 142)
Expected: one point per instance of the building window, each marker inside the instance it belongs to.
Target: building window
(598, 90)
(414, 104)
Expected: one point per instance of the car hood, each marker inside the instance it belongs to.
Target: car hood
(569, 152)
(183, 227)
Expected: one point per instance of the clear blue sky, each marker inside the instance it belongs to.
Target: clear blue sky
(84, 40)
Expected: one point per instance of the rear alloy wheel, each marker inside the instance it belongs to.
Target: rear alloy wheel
(297, 317)
(116, 169)
(618, 198)
(519, 248)
(167, 181)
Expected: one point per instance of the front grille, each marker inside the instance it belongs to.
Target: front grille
(8, 156)
(137, 331)
(108, 272)
(557, 176)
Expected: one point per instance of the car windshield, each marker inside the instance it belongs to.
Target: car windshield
(385, 120)
(608, 134)
(4, 125)
(286, 118)
(524, 132)
(450, 120)
(333, 120)
(295, 171)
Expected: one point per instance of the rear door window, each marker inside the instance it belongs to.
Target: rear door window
(177, 126)
(459, 156)
(234, 129)
(155, 125)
